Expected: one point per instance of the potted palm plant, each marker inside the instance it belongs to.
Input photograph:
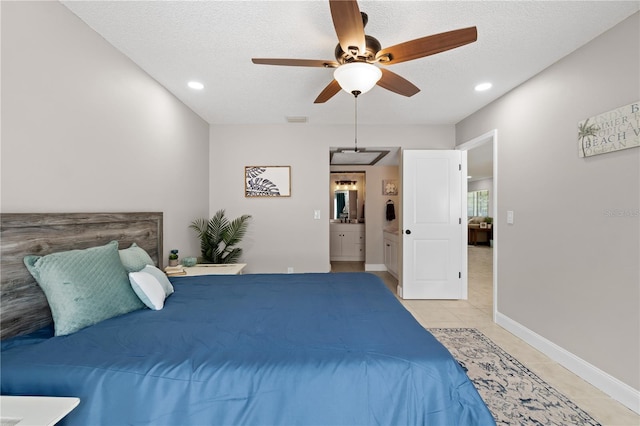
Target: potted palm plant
(219, 236)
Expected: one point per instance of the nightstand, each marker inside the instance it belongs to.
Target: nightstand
(35, 410)
(215, 269)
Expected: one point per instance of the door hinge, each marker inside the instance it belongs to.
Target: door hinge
(460, 167)
(459, 274)
(459, 221)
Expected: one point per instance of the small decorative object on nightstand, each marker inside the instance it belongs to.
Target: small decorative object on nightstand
(173, 271)
(173, 258)
(189, 261)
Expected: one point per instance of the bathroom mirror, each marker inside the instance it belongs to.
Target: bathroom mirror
(347, 196)
(345, 205)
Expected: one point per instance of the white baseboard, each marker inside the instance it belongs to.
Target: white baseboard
(608, 384)
(375, 267)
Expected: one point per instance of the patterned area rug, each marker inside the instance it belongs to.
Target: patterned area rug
(514, 394)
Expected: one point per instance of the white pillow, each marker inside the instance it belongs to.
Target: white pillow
(161, 277)
(148, 289)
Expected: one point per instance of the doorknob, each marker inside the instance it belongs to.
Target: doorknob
(408, 231)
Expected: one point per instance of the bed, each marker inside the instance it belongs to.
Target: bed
(255, 349)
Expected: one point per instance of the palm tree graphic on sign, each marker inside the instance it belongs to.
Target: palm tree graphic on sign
(585, 131)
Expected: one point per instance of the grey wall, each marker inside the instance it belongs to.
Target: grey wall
(569, 269)
(283, 232)
(85, 130)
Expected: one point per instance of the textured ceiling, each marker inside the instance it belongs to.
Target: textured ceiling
(214, 41)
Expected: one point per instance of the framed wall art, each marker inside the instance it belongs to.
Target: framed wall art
(390, 187)
(267, 181)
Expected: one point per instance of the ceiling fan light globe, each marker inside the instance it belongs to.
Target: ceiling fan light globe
(357, 76)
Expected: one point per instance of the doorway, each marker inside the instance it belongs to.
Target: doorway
(482, 160)
(347, 229)
(372, 209)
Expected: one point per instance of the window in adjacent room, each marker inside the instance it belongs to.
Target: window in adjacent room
(478, 203)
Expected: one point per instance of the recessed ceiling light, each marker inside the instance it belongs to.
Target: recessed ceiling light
(195, 85)
(483, 86)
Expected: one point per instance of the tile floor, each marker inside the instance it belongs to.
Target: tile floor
(476, 312)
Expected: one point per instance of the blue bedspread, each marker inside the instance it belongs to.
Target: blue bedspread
(295, 349)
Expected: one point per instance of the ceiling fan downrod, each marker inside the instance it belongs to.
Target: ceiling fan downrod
(355, 97)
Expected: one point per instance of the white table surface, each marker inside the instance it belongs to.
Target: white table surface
(215, 269)
(35, 410)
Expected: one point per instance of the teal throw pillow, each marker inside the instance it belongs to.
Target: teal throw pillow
(135, 258)
(161, 277)
(148, 289)
(84, 287)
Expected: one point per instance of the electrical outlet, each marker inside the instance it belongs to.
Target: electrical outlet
(510, 217)
(290, 270)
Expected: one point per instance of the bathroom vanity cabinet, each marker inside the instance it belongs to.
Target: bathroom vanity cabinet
(391, 252)
(347, 242)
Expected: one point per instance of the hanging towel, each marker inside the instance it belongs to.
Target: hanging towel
(391, 211)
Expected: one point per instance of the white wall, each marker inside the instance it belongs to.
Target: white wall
(568, 271)
(283, 232)
(85, 130)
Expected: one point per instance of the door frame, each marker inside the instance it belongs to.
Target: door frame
(490, 137)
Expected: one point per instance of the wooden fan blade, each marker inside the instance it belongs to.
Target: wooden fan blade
(425, 46)
(348, 24)
(328, 92)
(395, 83)
(296, 62)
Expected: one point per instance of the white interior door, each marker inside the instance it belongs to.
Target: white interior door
(434, 225)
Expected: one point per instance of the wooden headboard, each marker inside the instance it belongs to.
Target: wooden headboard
(23, 305)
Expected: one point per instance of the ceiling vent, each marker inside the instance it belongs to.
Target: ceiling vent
(298, 119)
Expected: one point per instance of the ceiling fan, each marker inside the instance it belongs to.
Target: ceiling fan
(356, 54)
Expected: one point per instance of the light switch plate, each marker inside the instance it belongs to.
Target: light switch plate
(510, 217)
(316, 214)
